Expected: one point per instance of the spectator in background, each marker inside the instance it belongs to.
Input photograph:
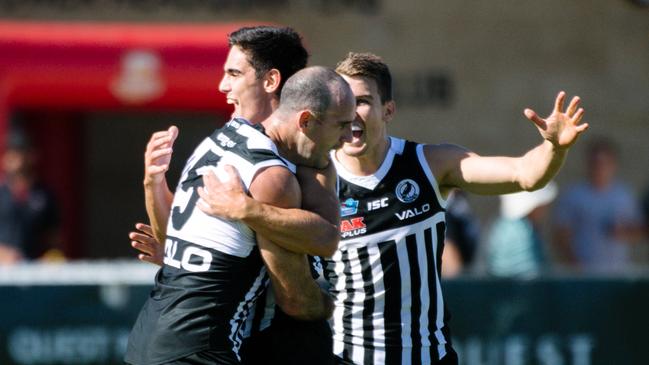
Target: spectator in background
(29, 218)
(515, 247)
(462, 235)
(645, 210)
(597, 219)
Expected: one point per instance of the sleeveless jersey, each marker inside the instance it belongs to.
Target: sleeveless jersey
(212, 272)
(385, 275)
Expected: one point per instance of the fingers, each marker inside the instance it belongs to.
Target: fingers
(574, 103)
(147, 258)
(156, 144)
(531, 115)
(582, 127)
(144, 228)
(231, 171)
(163, 138)
(161, 152)
(203, 196)
(578, 115)
(558, 103)
(143, 247)
(173, 131)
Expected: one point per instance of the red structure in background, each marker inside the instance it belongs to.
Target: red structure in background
(53, 72)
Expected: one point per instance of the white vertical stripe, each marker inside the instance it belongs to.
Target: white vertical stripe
(355, 274)
(441, 349)
(379, 356)
(406, 301)
(341, 296)
(339, 347)
(424, 296)
(378, 321)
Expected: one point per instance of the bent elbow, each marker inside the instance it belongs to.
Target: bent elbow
(328, 243)
(298, 308)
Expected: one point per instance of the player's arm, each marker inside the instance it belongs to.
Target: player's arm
(456, 167)
(158, 197)
(312, 230)
(295, 290)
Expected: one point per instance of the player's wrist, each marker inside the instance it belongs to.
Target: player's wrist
(248, 209)
(153, 181)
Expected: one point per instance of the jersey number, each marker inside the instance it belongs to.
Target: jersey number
(192, 181)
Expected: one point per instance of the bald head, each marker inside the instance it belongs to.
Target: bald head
(315, 88)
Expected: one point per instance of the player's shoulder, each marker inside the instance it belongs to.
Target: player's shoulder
(276, 185)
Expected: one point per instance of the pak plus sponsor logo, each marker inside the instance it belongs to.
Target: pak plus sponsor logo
(348, 207)
(407, 191)
(352, 227)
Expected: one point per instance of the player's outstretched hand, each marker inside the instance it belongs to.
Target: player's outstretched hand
(150, 249)
(157, 155)
(561, 128)
(223, 196)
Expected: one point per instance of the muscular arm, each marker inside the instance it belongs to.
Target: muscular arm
(312, 230)
(295, 290)
(456, 167)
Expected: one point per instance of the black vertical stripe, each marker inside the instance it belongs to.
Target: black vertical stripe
(392, 309)
(432, 287)
(415, 298)
(441, 230)
(348, 303)
(368, 305)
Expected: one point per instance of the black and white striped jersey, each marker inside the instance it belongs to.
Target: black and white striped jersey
(385, 276)
(212, 272)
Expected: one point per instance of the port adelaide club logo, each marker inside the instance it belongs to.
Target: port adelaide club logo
(407, 191)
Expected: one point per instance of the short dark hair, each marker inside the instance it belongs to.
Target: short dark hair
(314, 88)
(371, 66)
(271, 47)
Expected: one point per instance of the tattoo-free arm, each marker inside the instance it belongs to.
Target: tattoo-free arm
(312, 230)
(456, 167)
(295, 290)
(157, 196)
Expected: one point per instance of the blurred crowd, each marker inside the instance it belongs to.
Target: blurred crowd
(594, 226)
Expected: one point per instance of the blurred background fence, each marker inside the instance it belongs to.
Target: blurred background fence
(82, 313)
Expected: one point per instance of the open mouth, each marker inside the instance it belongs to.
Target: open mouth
(357, 131)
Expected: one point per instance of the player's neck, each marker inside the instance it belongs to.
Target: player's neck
(284, 140)
(369, 162)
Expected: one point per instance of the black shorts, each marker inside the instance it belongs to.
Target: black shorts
(290, 341)
(207, 358)
(449, 359)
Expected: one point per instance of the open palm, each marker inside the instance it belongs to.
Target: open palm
(560, 128)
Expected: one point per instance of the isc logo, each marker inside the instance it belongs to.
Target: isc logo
(377, 204)
(171, 249)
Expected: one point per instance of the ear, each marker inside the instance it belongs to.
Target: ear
(303, 120)
(389, 108)
(272, 80)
